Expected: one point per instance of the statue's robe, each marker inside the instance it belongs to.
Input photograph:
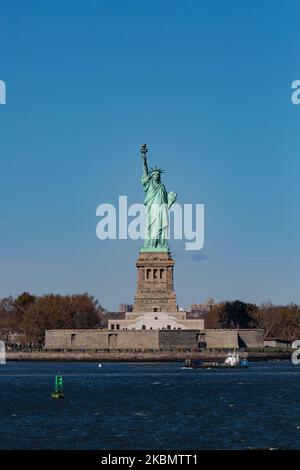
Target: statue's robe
(156, 202)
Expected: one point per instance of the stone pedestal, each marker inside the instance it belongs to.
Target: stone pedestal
(155, 285)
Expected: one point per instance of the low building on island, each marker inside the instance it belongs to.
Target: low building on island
(152, 340)
(277, 343)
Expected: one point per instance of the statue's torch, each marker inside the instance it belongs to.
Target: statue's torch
(144, 150)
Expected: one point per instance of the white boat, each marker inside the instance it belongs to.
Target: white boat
(232, 359)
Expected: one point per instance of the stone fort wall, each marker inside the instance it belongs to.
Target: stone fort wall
(221, 339)
(251, 338)
(178, 339)
(151, 339)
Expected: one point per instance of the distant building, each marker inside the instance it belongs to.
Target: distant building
(155, 321)
(277, 343)
(204, 308)
(123, 308)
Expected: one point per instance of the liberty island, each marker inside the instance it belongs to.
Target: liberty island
(156, 323)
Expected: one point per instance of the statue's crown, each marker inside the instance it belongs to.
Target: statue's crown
(156, 168)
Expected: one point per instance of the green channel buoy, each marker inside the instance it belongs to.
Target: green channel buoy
(58, 388)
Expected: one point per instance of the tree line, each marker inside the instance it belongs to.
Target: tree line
(277, 321)
(27, 317)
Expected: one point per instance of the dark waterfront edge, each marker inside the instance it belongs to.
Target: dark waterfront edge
(88, 356)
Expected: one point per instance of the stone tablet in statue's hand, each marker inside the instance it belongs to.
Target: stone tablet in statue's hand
(171, 198)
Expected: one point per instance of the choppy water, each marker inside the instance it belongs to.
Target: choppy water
(149, 406)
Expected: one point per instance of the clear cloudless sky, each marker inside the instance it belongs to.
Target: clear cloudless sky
(207, 85)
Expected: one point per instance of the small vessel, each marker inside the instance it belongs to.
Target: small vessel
(99, 365)
(232, 361)
(58, 388)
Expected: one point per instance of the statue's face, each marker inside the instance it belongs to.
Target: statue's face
(156, 175)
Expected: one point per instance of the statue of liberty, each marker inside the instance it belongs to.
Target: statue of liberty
(157, 202)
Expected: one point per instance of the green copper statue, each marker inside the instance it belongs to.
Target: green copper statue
(157, 202)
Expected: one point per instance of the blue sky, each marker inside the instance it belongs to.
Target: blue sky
(206, 85)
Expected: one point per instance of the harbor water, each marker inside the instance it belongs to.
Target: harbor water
(149, 406)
